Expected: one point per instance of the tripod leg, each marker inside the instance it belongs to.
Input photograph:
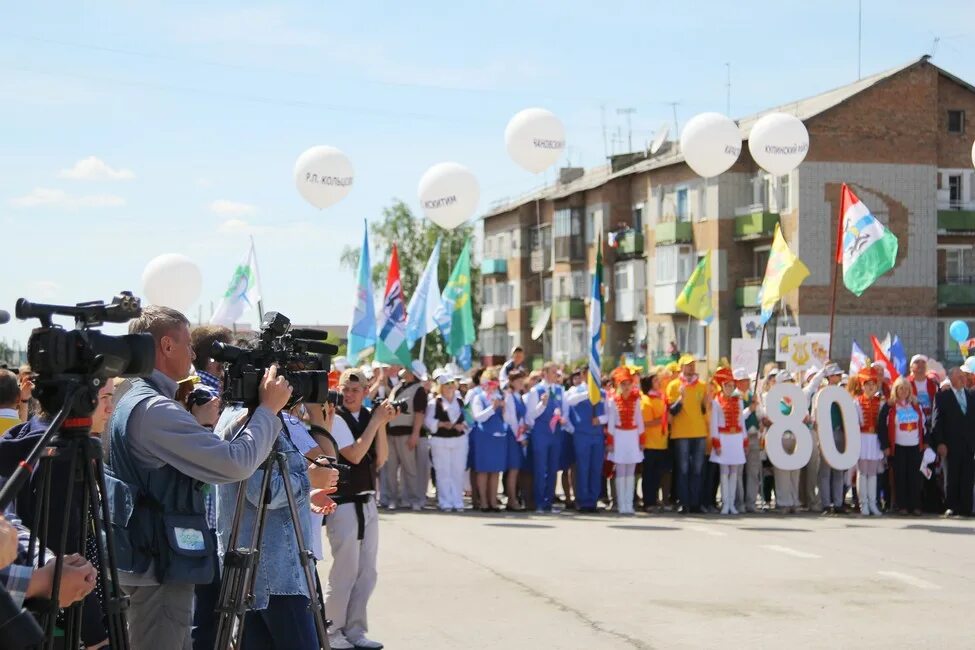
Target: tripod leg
(114, 601)
(74, 617)
(59, 556)
(306, 557)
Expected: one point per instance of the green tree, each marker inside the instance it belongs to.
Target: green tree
(415, 239)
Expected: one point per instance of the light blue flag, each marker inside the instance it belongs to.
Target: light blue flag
(425, 301)
(362, 334)
(465, 357)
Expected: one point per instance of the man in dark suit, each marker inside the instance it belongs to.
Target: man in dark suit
(953, 434)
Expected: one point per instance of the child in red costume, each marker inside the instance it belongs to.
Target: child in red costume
(625, 421)
(728, 437)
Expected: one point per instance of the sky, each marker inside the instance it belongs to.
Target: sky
(133, 129)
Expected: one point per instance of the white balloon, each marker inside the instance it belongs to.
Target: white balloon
(778, 142)
(711, 143)
(535, 139)
(449, 193)
(172, 280)
(323, 175)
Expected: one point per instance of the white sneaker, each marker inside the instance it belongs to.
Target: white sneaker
(363, 642)
(391, 506)
(337, 641)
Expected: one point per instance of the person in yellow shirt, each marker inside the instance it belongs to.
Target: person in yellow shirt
(9, 401)
(687, 399)
(656, 457)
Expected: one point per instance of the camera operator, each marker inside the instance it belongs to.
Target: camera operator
(279, 616)
(209, 370)
(161, 455)
(353, 530)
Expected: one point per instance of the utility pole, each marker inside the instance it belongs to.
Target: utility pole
(628, 112)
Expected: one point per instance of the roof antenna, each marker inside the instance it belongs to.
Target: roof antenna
(934, 45)
(859, 36)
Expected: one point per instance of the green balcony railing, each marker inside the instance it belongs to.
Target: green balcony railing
(757, 225)
(569, 309)
(673, 232)
(956, 295)
(956, 220)
(494, 266)
(630, 243)
(746, 295)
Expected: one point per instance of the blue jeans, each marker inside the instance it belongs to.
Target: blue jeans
(545, 458)
(689, 465)
(287, 623)
(656, 462)
(590, 449)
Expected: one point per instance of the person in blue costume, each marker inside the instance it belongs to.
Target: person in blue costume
(547, 412)
(490, 433)
(589, 439)
(514, 417)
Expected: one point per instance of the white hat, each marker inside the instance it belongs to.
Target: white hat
(833, 369)
(442, 376)
(773, 372)
(367, 372)
(418, 369)
(340, 363)
(739, 374)
(785, 376)
(918, 357)
(810, 373)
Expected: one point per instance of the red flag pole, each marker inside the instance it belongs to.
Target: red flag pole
(836, 272)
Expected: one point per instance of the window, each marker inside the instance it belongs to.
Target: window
(563, 330)
(954, 191)
(547, 290)
(682, 204)
(488, 298)
(959, 265)
(514, 235)
(578, 349)
(563, 223)
(489, 247)
(674, 264)
(579, 284)
(638, 216)
(690, 338)
(594, 225)
(761, 255)
(622, 277)
(956, 121)
(502, 245)
(769, 193)
(785, 194)
(702, 202)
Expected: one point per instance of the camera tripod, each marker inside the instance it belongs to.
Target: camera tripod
(67, 443)
(240, 563)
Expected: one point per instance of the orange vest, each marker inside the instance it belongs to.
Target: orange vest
(731, 407)
(626, 405)
(870, 405)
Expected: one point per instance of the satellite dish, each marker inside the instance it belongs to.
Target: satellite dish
(660, 138)
(542, 323)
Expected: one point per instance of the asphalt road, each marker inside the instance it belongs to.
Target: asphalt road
(662, 581)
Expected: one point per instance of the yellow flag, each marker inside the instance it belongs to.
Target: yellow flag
(695, 297)
(784, 272)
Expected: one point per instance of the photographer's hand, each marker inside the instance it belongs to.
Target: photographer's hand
(8, 543)
(323, 477)
(275, 391)
(321, 503)
(385, 412)
(77, 580)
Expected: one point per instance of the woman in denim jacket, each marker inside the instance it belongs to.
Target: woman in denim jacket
(280, 617)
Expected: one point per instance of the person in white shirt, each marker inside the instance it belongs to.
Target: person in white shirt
(445, 421)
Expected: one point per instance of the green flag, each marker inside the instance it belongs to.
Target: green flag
(455, 318)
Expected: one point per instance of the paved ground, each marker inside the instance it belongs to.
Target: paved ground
(661, 581)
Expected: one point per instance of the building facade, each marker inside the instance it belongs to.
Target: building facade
(900, 139)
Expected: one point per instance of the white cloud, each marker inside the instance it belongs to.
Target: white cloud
(95, 169)
(227, 208)
(47, 197)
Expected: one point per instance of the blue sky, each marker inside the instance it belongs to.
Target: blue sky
(196, 111)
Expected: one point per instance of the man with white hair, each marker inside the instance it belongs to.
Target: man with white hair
(923, 386)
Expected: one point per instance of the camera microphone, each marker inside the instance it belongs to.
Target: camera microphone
(4, 316)
(308, 334)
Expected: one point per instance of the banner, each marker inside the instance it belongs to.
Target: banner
(744, 354)
(807, 351)
(782, 336)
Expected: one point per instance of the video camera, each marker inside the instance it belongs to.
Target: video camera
(302, 356)
(84, 355)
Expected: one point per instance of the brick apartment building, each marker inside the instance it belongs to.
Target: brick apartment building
(900, 138)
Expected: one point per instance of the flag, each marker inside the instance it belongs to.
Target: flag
(881, 356)
(465, 358)
(426, 298)
(898, 356)
(858, 359)
(866, 248)
(362, 333)
(783, 273)
(695, 298)
(596, 328)
(242, 292)
(391, 344)
(455, 316)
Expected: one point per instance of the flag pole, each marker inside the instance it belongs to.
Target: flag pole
(423, 347)
(260, 290)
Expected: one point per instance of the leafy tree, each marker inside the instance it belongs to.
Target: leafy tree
(414, 239)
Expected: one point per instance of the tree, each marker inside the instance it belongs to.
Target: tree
(415, 239)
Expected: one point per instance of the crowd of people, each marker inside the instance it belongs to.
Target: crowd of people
(697, 444)
(502, 437)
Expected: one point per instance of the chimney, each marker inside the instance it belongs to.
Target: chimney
(569, 174)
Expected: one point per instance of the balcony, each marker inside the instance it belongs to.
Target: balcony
(755, 223)
(569, 309)
(494, 266)
(956, 221)
(629, 243)
(673, 232)
(957, 292)
(746, 294)
(492, 317)
(541, 260)
(628, 305)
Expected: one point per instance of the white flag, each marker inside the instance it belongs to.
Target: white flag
(243, 292)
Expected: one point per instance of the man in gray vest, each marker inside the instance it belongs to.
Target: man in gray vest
(403, 431)
(159, 459)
